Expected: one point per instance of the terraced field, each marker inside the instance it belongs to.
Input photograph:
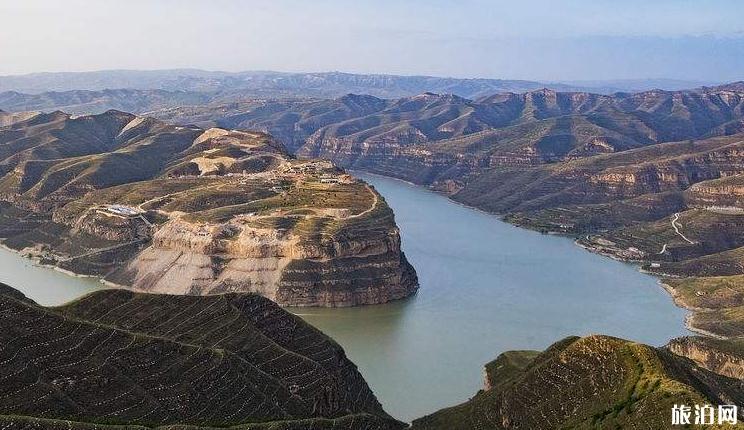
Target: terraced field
(121, 358)
(587, 383)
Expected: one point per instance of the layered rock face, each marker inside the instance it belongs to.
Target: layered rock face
(724, 358)
(183, 210)
(116, 359)
(186, 258)
(726, 194)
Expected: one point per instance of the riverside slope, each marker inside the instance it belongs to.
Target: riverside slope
(596, 382)
(122, 360)
(184, 210)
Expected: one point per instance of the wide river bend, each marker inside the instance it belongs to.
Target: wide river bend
(486, 287)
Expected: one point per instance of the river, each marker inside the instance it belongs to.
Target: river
(486, 287)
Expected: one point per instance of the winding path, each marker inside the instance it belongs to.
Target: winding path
(676, 228)
(374, 203)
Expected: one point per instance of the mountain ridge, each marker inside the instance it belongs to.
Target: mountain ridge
(316, 84)
(596, 382)
(146, 364)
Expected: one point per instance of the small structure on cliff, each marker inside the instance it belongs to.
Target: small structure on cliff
(121, 210)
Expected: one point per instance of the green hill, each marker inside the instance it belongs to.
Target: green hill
(595, 382)
(119, 358)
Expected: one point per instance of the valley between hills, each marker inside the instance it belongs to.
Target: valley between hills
(653, 177)
(117, 359)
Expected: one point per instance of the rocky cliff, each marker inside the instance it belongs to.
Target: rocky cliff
(724, 194)
(362, 267)
(183, 210)
(722, 357)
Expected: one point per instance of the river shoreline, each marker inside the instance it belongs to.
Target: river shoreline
(688, 323)
(36, 259)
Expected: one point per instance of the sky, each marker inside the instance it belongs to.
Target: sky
(545, 40)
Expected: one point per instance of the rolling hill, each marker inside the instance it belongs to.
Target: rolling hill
(116, 358)
(596, 382)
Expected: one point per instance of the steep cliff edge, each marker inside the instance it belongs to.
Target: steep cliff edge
(182, 210)
(293, 259)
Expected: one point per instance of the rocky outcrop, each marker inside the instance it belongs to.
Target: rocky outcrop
(186, 258)
(722, 357)
(99, 222)
(182, 210)
(724, 194)
(348, 281)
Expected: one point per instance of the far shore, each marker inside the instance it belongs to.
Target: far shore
(689, 323)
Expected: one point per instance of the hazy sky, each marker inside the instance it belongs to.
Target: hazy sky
(545, 40)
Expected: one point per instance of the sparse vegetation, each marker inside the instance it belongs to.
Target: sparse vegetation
(594, 382)
(125, 197)
(116, 359)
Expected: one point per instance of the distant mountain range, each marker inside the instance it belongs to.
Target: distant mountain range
(94, 102)
(534, 127)
(325, 85)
